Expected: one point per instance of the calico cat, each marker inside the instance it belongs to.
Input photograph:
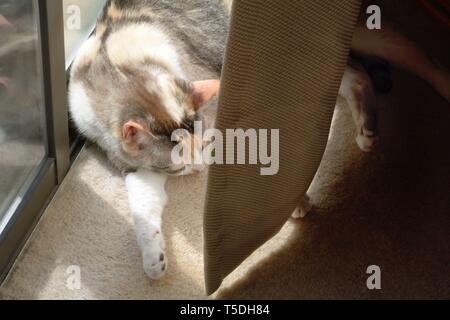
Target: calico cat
(132, 85)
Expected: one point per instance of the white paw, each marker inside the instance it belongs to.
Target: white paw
(303, 208)
(367, 141)
(155, 260)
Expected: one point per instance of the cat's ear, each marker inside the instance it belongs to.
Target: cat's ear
(133, 131)
(204, 91)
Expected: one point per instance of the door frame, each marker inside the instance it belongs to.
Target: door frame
(54, 168)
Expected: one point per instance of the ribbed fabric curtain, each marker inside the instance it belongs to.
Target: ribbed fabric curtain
(283, 66)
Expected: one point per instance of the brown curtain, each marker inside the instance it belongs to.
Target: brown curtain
(283, 66)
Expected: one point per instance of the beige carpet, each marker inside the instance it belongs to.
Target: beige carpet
(389, 208)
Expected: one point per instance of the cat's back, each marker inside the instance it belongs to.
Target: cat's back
(200, 27)
(137, 34)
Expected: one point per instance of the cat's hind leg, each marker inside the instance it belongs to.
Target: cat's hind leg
(147, 199)
(358, 91)
(394, 47)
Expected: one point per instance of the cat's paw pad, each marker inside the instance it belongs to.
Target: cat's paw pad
(303, 208)
(155, 263)
(367, 141)
(154, 256)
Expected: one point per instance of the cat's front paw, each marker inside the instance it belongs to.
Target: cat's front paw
(303, 208)
(155, 263)
(155, 260)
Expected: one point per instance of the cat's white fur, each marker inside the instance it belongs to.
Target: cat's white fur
(85, 116)
(169, 99)
(86, 119)
(147, 198)
(358, 92)
(157, 46)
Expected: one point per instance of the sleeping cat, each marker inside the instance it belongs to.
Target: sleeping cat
(132, 86)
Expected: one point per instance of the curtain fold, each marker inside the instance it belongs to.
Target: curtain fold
(283, 66)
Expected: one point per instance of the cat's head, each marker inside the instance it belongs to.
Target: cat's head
(155, 108)
(137, 97)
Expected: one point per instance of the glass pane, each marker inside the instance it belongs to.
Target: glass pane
(22, 129)
(80, 17)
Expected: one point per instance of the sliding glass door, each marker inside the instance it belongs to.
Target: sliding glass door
(38, 41)
(34, 139)
(23, 146)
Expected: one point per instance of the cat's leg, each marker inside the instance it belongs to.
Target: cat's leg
(394, 47)
(147, 199)
(303, 208)
(357, 89)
